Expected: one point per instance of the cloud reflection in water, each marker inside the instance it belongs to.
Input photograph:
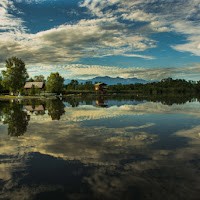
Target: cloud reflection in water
(111, 162)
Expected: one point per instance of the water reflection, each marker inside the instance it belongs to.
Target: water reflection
(15, 118)
(101, 102)
(56, 109)
(128, 150)
(38, 109)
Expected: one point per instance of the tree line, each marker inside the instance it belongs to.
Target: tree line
(16, 75)
(165, 86)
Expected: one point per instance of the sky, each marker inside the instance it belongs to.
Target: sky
(82, 39)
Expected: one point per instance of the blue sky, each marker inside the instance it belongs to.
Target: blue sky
(151, 39)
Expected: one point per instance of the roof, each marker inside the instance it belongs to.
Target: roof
(37, 108)
(29, 85)
(100, 84)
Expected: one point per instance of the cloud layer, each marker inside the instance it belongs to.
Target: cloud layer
(78, 71)
(115, 28)
(97, 37)
(160, 16)
(116, 158)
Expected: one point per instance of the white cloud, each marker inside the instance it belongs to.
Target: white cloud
(68, 43)
(139, 56)
(31, 1)
(7, 21)
(106, 35)
(161, 16)
(139, 15)
(78, 71)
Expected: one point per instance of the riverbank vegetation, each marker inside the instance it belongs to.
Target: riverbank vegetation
(15, 76)
(165, 86)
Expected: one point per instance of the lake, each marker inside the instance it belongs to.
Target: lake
(100, 148)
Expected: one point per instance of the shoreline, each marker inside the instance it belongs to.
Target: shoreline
(6, 97)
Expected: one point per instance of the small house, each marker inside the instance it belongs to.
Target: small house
(31, 108)
(36, 85)
(38, 109)
(100, 88)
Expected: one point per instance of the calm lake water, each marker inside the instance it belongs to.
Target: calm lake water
(100, 148)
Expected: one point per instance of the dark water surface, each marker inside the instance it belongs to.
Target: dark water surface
(99, 148)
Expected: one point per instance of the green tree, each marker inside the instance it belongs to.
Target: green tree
(1, 87)
(56, 109)
(89, 85)
(15, 75)
(73, 84)
(31, 80)
(39, 78)
(55, 83)
(16, 118)
(32, 90)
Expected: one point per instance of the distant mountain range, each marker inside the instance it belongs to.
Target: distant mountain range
(111, 81)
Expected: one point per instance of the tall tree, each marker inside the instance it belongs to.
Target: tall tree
(15, 75)
(55, 83)
(73, 84)
(39, 78)
(1, 87)
(31, 80)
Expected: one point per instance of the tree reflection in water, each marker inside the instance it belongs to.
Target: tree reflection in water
(74, 102)
(56, 109)
(16, 118)
(128, 150)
